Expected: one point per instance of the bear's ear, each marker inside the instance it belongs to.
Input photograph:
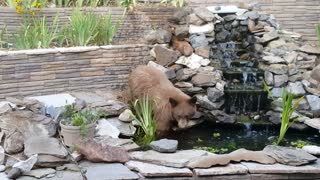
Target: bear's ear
(193, 100)
(173, 102)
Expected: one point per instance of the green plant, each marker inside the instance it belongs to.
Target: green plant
(36, 33)
(128, 3)
(175, 3)
(211, 149)
(300, 143)
(287, 110)
(3, 31)
(144, 117)
(318, 32)
(216, 135)
(106, 30)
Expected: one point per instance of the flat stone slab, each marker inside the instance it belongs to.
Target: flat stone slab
(102, 171)
(179, 159)
(289, 156)
(55, 100)
(40, 173)
(152, 170)
(45, 146)
(222, 170)
(60, 175)
(256, 168)
(127, 144)
(314, 123)
(311, 149)
(164, 145)
(225, 9)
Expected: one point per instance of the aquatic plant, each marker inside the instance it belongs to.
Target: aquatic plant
(144, 116)
(300, 143)
(287, 110)
(212, 150)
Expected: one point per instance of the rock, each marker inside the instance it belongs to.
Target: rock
(310, 49)
(230, 169)
(179, 159)
(125, 116)
(29, 123)
(76, 156)
(185, 74)
(214, 94)
(278, 68)
(126, 129)
(222, 117)
(13, 143)
(50, 161)
(203, 29)
(40, 173)
(44, 145)
(280, 80)
(274, 117)
(204, 102)
(267, 37)
(292, 69)
(273, 59)
(27, 165)
(314, 102)
(195, 90)
(180, 16)
(170, 73)
(222, 36)
(151, 170)
(289, 156)
(159, 36)
(291, 57)
(204, 14)
(315, 74)
(14, 173)
(6, 106)
(252, 15)
(2, 155)
(314, 123)
(236, 156)
(95, 171)
(276, 92)
(181, 32)
(206, 78)
(194, 61)
(311, 149)
(2, 168)
(165, 56)
(3, 176)
(164, 145)
(198, 40)
(70, 167)
(96, 152)
(268, 77)
(276, 43)
(127, 144)
(230, 17)
(195, 20)
(183, 84)
(299, 126)
(296, 88)
(105, 128)
(109, 107)
(230, 9)
(203, 51)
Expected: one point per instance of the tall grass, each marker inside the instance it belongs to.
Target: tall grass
(37, 33)
(287, 110)
(146, 120)
(318, 32)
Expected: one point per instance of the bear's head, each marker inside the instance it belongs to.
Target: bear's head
(183, 111)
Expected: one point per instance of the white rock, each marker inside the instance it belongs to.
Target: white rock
(311, 149)
(55, 100)
(194, 61)
(105, 128)
(207, 28)
(2, 168)
(226, 9)
(27, 165)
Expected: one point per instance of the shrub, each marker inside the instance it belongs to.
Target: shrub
(36, 33)
(146, 120)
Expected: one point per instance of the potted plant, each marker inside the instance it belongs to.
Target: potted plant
(77, 124)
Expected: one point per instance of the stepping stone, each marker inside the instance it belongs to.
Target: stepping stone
(127, 144)
(179, 159)
(152, 170)
(255, 168)
(222, 170)
(314, 150)
(164, 145)
(102, 171)
(40, 173)
(45, 146)
(289, 156)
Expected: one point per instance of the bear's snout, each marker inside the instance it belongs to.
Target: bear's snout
(182, 123)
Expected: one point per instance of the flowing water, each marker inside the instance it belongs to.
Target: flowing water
(232, 137)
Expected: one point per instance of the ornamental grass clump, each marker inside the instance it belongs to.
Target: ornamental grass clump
(288, 108)
(145, 118)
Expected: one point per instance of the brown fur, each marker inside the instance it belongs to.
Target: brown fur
(172, 106)
(182, 46)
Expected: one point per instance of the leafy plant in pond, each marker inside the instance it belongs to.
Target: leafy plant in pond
(318, 32)
(127, 3)
(175, 3)
(36, 33)
(212, 150)
(144, 117)
(300, 143)
(287, 110)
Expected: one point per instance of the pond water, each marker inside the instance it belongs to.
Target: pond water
(226, 138)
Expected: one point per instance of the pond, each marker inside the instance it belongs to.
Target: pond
(220, 138)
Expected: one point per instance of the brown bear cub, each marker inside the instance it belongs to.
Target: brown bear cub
(172, 106)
